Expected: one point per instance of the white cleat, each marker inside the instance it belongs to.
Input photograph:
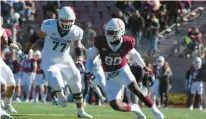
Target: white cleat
(10, 108)
(4, 115)
(27, 101)
(158, 114)
(191, 108)
(103, 99)
(18, 99)
(61, 99)
(84, 115)
(200, 108)
(139, 113)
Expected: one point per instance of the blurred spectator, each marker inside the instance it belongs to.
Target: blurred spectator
(12, 22)
(136, 23)
(146, 14)
(194, 39)
(188, 5)
(118, 14)
(19, 5)
(51, 6)
(5, 9)
(89, 35)
(129, 8)
(172, 8)
(138, 5)
(196, 35)
(153, 35)
(162, 16)
(165, 83)
(28, 18)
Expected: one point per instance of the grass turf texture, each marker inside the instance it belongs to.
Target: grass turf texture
(47, 111)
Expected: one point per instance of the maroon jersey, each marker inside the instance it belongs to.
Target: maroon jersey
(194, 73)
(113, 58)
(39, 70)
(28, 65)
(16, 66)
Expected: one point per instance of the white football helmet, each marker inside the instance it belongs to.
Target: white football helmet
(197, 62)
(160, 61)
(114, 29)
(66, 18)
(37, 54)
(30, 55)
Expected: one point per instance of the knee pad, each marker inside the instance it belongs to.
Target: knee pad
(78, 97)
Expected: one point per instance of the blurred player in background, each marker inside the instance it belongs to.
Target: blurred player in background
(96, 77)
(196, 82)
(39, 80)
(29, 72)
(58, 65)
(113, 48)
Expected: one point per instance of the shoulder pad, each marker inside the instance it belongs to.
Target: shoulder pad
(46, 24)
(78, 32)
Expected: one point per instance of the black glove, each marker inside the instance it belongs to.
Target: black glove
(89, 76)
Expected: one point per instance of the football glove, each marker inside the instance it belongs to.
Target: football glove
(15, 46)
(148, 70)
(22, 57)
(80, 66)
(89, 76)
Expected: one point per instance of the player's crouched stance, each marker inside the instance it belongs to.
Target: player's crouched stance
(113, 48)
(57, 64)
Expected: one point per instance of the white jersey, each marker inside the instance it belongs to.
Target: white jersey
(57, 44)
(97, 62)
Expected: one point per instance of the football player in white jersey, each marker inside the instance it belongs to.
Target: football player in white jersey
(58, 65)
(99, 76)
(6, 75)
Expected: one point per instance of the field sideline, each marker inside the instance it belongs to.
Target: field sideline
(47, 111)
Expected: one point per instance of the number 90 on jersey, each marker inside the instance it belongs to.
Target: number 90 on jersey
(113, 60)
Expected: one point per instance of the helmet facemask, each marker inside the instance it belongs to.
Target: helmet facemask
(66, 24)
(112, 36)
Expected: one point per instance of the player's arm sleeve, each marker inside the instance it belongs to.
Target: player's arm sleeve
(137, 57)
(92, 53)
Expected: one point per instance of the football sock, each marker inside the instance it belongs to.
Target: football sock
(97, 90)
(36, 96)
(7, 100)
(80, 110)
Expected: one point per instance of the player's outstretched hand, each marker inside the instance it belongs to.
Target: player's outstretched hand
(16, 46)
(148, 70)
(80, 66)
(22, 57)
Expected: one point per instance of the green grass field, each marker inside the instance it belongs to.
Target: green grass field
(47, 111)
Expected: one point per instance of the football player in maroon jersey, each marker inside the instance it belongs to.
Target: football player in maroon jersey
(29, 68)
(113, 48)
